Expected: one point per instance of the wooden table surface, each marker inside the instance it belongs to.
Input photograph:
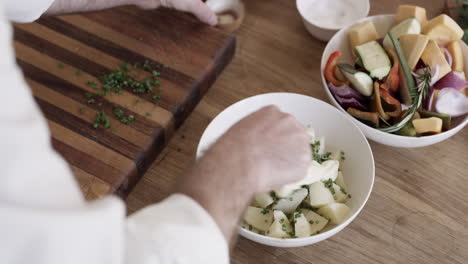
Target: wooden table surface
(418, 210)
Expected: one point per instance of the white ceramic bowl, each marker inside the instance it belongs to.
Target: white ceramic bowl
(321, 31)
(340, 133)
(383, 23)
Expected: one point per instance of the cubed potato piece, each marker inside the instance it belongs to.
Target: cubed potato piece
(289, 204)
(319, 195)
(341, 194)
(413, 46)
(316, 172)
(263, 200)
(340, 181)
(339, 156)
(317, 222)
(281, 227)
(301, 226)
(456, 51)
(408, 11)
(328, 170)
(362, 33)
(337, 213)
(259, 218)
(432, 125)
(433, 56)
(443, 29)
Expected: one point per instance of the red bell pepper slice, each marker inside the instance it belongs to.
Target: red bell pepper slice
(393, 78)
(330, 68)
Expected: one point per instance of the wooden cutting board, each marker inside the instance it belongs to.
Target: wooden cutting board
(59, 55)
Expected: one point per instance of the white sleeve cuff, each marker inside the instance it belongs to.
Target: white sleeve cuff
(177, 230)
(24, 11)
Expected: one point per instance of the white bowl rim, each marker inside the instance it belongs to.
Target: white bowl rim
(321, 236)
(380, 133)
(301, 12)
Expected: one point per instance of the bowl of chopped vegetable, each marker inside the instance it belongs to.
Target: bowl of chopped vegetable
(401, 78)
(337, 185)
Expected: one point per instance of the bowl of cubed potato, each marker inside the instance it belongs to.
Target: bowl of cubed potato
(335, 188)
(400, 77)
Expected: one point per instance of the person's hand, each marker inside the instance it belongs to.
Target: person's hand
(261, 152)
(196, 7)
(271, 147)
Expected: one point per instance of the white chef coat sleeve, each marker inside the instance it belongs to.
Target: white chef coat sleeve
(24, 11)
(177, 230)
(43, 216)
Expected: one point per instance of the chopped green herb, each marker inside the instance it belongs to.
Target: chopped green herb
(262, 233)
(250, 227)
(343, 191)
(349, 195)
(281, 220)
(265, 211)
(406, 170)
(137, 101)
(82, 109)
(78, 73)
(343, 157)
(156, 97)
(89, 95)
(311, 222)
(148, 114)
(91, 101)
(329, 184)
(60, 65)
(101, 119)
(118, 112)
(316, 222)
(320, 158)
(274, 196)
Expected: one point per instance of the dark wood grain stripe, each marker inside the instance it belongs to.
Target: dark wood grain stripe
(112, 48)
(89, 163)
(100, 135)
(87, 114)
(55, 51)
(141, 123)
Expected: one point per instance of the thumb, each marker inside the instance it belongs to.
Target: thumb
(202, 12)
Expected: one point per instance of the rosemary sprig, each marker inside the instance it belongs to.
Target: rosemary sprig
(417, 97)
(418, 93)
